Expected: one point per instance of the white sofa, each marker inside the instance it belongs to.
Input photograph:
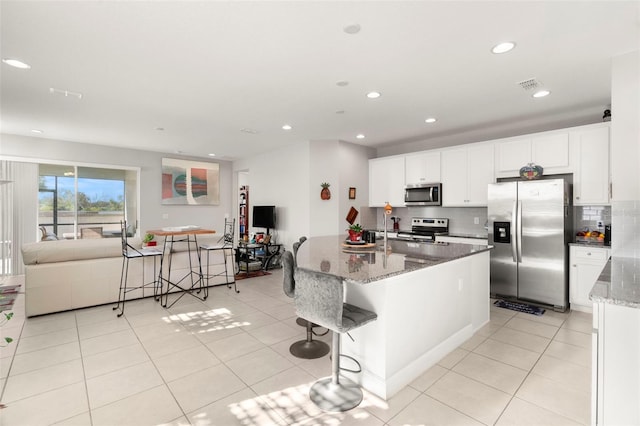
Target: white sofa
(71, 274)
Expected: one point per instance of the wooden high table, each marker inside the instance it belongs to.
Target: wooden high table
(181, 234)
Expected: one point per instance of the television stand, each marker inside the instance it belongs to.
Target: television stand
(253, 257)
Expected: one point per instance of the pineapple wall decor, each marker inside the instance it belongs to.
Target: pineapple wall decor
(325, 194)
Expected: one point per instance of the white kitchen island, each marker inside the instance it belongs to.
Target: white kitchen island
(429, 298)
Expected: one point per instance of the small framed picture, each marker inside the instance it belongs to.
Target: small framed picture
(352, 193)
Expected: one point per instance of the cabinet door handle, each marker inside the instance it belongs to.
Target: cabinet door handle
(589, 254)
(574, 265)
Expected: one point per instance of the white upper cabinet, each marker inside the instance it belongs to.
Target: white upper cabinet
(386, 181)
(591, 174)
(512, 155)
(466, 172)
(549, 150)
(423, 167)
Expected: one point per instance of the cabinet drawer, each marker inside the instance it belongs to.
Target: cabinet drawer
(591, 253)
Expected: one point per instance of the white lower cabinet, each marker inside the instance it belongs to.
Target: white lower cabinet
(615, 365)
(586, 265)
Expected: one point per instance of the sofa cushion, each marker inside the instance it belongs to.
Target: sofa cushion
(69, 250)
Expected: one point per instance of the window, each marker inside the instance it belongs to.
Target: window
(85, 202)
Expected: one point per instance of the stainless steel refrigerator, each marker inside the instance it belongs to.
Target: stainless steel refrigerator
(530, 223)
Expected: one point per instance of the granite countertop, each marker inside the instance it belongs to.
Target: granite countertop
(619, 283)
(461, 235)
(364, 265)
(599, 244)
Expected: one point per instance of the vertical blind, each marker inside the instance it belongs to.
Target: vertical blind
(18, 213)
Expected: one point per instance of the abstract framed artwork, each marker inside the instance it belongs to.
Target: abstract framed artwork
(190, 182)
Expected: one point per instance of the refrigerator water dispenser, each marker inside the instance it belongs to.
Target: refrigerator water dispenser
(502, 232)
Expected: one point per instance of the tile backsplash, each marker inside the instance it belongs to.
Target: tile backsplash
(461, 220)
(625, 229)
(590, 216)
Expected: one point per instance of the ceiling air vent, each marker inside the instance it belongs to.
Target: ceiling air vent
(529, 84)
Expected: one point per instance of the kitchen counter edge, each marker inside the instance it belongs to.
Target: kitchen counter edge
(618, 283)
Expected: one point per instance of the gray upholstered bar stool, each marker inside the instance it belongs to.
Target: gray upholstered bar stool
(308, 348)
(320, 299)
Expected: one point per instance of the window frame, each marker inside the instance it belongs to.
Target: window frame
(76, 165)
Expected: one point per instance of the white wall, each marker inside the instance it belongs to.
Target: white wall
(281, 178)
(290, 179)
(354, 172)
(323, 167)
(29, 149)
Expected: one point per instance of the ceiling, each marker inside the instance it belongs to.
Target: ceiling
(223, 77)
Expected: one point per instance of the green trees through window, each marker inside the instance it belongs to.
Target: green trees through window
(71, 198)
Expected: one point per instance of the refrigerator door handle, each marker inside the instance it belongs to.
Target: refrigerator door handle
(519, 231)
(514, 241)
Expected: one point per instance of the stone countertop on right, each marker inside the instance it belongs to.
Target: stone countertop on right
(619, 283)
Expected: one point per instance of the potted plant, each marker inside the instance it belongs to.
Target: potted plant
(148, 240)
(355, 232)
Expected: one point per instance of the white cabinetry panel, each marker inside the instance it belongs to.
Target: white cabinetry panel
(551, 151)
(423, 167)
(386, 181)
(586, 265)
(591, 176)
(466, 172)
(512, 155)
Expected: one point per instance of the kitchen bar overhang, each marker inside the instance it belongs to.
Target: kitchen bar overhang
(429, 298)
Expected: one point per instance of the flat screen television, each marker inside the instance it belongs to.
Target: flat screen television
(264, 217)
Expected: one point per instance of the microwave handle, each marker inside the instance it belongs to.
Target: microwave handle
(431, 193)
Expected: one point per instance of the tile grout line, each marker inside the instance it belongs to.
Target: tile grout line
(84, 371)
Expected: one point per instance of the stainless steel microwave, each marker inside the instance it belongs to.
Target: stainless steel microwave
(423, 194)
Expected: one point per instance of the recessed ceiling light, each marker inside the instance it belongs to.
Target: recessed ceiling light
(342, 83)
(287, 127)
(430, 120)
(36, 131)
(352, 29)
(16, 63)
(503, 47)
(360, 136)
(541, 94)
(247, 130)
(373, 95)
(211, 155)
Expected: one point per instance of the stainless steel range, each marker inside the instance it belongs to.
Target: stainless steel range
(425, 229)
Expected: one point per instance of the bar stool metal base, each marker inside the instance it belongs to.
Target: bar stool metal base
(309, 349)
(335, 397)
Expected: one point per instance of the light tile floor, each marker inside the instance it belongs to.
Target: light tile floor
(226, 361)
